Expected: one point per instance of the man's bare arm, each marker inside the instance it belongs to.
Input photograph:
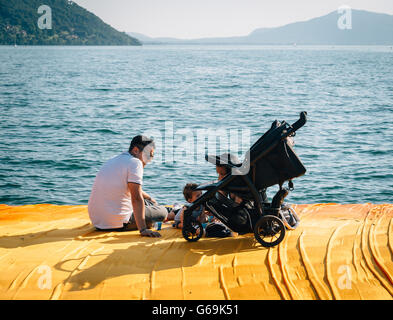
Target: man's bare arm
(138, 206)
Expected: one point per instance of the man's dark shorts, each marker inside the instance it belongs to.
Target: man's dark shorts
(153, 213)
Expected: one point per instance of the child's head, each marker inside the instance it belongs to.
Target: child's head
(221, 163)
(222, 170)
(189, 192)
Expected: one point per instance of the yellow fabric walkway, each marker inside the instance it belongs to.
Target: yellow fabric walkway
(337, 252)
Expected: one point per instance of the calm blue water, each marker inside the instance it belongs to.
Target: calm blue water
(66, 110)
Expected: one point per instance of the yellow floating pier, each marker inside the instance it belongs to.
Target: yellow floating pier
(337, 252)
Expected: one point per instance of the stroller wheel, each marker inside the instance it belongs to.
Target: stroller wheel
(193, 232)
(269, 231)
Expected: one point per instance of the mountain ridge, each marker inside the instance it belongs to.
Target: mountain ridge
(368, 28)
(70, 24)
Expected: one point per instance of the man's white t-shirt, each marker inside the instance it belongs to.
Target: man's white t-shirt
(110, 199)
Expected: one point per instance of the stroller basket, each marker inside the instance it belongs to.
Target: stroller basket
(236, 217)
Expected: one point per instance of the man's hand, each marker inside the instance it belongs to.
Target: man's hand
(150, 233)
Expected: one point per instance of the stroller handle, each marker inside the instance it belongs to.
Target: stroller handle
(297, 125)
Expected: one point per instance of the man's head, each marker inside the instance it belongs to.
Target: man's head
(142, 148)
(189, 192)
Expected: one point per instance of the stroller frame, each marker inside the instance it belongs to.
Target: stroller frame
(270, 222)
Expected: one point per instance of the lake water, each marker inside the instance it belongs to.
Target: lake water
(66, 110)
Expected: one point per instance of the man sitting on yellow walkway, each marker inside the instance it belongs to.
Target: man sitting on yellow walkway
(117, 201)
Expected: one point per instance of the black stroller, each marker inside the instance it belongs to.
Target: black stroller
(270, 161)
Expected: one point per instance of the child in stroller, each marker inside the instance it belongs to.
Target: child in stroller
(270, 161)
(190, 195)
(223, 170)
(214, 228)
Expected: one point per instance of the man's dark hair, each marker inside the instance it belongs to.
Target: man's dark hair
(188, 189)
(140, 142)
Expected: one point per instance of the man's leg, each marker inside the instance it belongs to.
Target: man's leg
(153, 213)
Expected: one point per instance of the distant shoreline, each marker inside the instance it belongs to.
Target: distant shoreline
(361, 28)
(202, 44)
(71, 45)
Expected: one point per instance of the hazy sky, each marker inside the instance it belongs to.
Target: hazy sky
(215, 18)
